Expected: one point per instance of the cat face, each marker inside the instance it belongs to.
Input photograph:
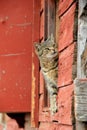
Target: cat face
(47, 53)
(47, 49)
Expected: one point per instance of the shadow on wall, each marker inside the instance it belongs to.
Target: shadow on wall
(19, 117)
(12, 121)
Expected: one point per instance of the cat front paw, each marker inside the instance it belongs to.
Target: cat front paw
(53, 109)
(53, 104)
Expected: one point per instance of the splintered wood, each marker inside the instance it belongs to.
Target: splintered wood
(81, 99)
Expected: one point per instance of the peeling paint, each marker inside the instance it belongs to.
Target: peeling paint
(16, 54)
(4, 89)
(21, 24)
(3, 71)
(16, 84)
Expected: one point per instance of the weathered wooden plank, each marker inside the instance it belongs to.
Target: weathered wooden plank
(82, 36)
(80, 99)
(64, 5)
(81, 107)
(65, 66)
(80, 126)
(65, 105)
(66, 28)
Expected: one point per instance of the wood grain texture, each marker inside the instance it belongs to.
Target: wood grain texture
(82, 31)
(82, 37)
(81, 100)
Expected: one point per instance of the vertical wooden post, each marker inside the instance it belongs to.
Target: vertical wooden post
(82, 41)
(35, 66)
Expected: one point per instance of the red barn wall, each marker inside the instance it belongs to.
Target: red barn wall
(63, 120)
(65, 21)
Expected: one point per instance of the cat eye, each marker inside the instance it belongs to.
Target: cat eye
(53, 50)
(47, 49)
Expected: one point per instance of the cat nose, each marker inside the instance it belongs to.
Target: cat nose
(53, 51)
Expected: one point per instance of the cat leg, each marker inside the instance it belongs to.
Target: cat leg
(53, 99)
(53, 104)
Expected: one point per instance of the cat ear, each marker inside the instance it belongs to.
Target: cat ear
(37, 46)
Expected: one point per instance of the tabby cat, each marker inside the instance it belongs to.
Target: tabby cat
(47, 53)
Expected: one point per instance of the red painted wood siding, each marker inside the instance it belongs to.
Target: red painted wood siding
(62, 120)
(16, 20)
